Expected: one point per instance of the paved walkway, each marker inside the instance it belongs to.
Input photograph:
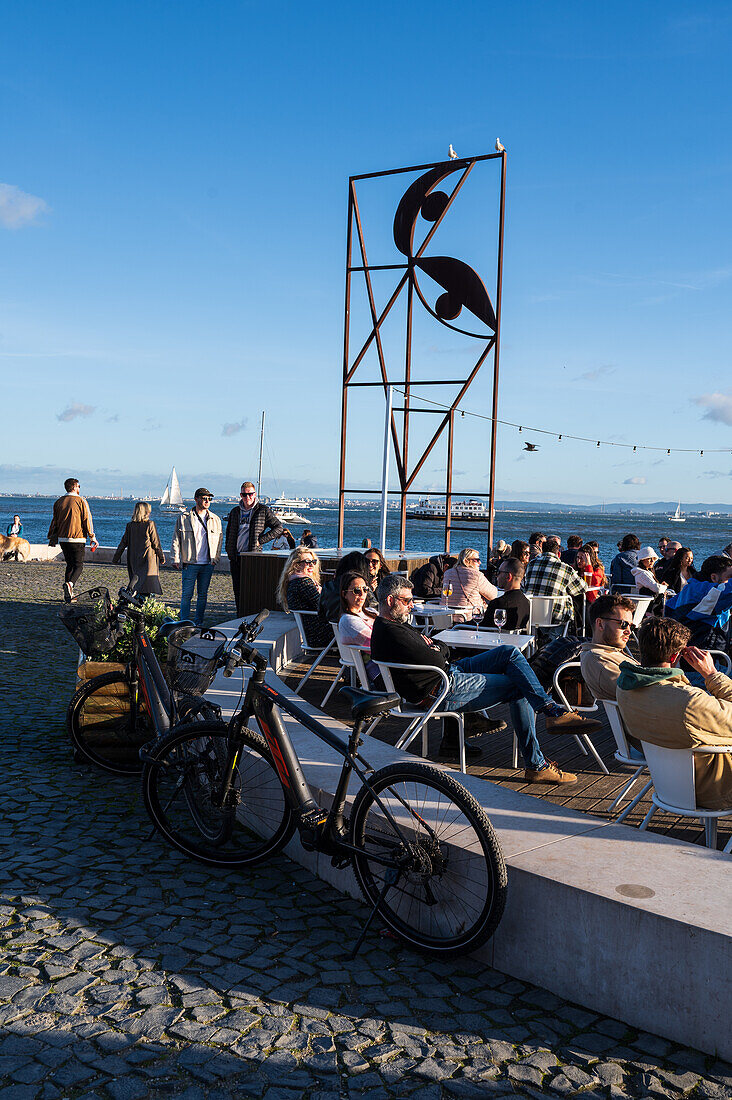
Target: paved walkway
(129, 972)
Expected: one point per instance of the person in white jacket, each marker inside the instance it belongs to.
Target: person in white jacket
(196, 548)
(643, 575)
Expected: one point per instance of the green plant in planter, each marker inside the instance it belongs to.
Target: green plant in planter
(154, 612)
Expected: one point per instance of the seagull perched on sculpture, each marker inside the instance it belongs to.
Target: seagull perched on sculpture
(531, 446)
(500, 148)
(451, 153)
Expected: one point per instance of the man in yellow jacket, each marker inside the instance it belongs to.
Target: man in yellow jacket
(71, 525)
(659, 705)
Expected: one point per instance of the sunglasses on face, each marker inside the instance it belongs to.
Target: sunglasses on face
(359, 591)
(406, 599)
(625, 623)
(248, 494)
(373, 561)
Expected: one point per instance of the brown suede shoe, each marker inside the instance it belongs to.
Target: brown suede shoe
(550, 773)
(572, 722)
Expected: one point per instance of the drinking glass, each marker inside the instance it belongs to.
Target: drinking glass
(499, 618)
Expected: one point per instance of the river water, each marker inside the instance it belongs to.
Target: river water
(703, 536)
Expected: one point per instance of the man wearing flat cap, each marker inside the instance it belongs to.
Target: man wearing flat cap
(196, 549)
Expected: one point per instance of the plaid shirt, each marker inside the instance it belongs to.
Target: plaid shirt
(548, 576)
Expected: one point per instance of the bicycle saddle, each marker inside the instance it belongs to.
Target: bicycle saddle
(367, 704)
(166, 628)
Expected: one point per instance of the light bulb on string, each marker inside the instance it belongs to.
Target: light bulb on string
(634, 450)
(668, 452)
(560, 439)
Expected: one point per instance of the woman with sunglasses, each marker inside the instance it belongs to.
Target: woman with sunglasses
(376, 567)
(469, 586)
(299, 590)
(356, 622)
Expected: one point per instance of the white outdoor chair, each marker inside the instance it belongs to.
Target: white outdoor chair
(642, 603)
(309, 650)
(674, 792)
(623, 755)
(582, 739)
(351, 659)
(540, 613)
(420, 718)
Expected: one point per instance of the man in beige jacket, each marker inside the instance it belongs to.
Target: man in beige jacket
(197, 548)
(71, 525)
(612, 621)
(659, 705)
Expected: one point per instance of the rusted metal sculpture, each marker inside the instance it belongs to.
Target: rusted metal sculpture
(464, 293)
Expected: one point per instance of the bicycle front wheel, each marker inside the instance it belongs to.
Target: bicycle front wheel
(429, 861)
(215, 799)
(108, 724)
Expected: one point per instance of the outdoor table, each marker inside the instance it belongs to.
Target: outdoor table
(428, 612)
(483, 639)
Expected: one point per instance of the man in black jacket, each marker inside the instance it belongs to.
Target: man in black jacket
(427, 579)
(499, 675)
(249, 526)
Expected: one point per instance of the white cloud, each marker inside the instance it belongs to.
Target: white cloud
(234, 429)
(71, 412)
(634, 481)
(593, 375)
(18, 208)
(718, 406)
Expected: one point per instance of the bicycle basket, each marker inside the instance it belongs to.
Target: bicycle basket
(193, 657)
(91, 622)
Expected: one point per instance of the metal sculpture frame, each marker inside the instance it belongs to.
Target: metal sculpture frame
(463, 288)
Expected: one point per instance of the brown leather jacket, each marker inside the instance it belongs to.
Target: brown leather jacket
(71, 519)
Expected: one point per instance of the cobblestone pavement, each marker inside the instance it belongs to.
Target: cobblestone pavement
(129, 972)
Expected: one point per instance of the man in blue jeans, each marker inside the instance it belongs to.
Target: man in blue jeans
(500, 675)
(197, 548)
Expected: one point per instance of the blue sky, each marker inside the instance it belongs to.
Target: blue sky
(172, 225)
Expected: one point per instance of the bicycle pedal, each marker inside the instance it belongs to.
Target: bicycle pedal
(340, 862)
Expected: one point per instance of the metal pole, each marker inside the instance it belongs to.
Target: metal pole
(261, 448)
(385, 467)
(344, 394)
(496, 353)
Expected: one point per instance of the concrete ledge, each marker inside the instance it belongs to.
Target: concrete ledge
(41, 551)
(630, 924)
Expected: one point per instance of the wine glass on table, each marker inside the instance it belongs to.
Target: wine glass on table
(499, 618)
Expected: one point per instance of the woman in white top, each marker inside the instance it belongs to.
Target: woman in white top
(645, 578)
(356, 623)
(469, 586)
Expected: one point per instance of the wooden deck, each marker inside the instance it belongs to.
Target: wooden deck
(594, 792)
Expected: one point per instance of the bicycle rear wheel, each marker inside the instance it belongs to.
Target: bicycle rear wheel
(182, 784)
(446, 873)
(108, 724)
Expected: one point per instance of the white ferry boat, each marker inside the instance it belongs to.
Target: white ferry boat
(474, 510)
(288, 508)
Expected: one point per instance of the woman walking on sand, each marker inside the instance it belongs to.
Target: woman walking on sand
(144, 553)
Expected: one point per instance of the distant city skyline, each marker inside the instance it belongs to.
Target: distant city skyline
(172, 224)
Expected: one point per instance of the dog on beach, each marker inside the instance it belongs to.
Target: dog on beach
(13, 547)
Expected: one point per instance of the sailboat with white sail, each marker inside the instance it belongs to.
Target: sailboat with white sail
(677, 516)
(171, 500)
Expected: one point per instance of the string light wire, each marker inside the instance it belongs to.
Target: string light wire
(564, 435)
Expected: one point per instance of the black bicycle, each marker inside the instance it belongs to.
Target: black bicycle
(422, 849)
(111, 716)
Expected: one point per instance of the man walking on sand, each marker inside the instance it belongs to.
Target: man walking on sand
(71, 525)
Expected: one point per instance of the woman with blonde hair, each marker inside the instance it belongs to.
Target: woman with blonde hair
(144, 553)
(469, 586)
(299, 590)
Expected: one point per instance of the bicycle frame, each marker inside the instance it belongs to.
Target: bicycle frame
(144, 670)
(319, 830)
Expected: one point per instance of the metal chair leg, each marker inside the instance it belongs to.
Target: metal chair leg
(631, 805)
(591, 748)
(626, 789)
(313, 667)
(334, 685)
(646, 820)
(710, 832)
(514, 761)
(728, 847)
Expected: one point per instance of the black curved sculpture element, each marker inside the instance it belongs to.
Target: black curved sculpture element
(462, 285)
